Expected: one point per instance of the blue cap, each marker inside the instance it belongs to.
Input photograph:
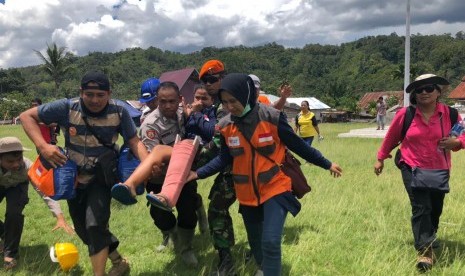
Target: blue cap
(148, 90)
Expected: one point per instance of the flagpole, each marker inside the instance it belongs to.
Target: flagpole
(407, 55)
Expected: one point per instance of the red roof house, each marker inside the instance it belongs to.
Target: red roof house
(459, 92)
(186, 79)
(374, 96)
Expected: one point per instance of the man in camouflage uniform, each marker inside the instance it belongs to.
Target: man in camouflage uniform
(222, 194)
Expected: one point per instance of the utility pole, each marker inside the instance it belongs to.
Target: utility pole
(407, 56)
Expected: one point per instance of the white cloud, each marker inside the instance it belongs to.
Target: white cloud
(84, 26)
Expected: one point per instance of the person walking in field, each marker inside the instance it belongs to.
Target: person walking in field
(252, 136)
(306, 124)
(93, 123)
(424, 158)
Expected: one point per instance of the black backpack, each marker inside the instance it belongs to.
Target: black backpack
(408, 118)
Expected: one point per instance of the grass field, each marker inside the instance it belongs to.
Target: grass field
(355, 225)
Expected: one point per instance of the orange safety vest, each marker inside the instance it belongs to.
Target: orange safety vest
(256, 178)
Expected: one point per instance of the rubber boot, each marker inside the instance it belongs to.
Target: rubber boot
(202, 216)
(164, 242)
(226, 264)
(186, 250)
(170, 238)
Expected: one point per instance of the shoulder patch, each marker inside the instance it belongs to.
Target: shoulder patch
(150, 133)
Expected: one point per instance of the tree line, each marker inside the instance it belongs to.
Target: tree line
(336, 74)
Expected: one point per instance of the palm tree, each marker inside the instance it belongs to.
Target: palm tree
(56, 64)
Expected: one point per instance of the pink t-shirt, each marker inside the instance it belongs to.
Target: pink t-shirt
(420, 145)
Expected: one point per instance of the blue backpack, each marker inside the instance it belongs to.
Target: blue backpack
(127, 164)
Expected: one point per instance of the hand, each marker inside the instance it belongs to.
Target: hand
(53, 155)
(379, 165)
(192, 176)
(61, 223)
(158, 170)
(285, 91)
(187, 109)
(196, 106)
(335, 170)
(449, 143)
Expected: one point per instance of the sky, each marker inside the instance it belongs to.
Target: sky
(85, 26)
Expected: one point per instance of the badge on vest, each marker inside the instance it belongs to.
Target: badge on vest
(234, 141)
(265, 137)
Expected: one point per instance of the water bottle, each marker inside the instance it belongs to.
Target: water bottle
(457, 129)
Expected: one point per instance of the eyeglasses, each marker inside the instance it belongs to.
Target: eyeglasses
(428, 88)
(211, 79)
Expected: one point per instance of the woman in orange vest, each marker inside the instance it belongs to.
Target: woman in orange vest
(252, 137)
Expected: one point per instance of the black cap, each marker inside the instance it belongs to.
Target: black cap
(98, 77)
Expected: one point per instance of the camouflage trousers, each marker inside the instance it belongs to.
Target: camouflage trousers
(222, 196)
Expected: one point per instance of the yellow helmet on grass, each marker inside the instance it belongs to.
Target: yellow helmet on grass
(66, 254)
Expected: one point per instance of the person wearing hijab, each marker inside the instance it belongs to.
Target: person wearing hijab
(252, 135)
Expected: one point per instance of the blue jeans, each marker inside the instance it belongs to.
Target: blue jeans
(308, 140)
(264, 225)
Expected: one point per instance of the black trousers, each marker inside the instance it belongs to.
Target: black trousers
(90, 212)
(426, 210)
(186, 206)
(12, 229)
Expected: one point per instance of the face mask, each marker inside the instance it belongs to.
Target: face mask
(245, 111)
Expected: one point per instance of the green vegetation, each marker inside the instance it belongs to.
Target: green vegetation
(355, 225)
(338, 75)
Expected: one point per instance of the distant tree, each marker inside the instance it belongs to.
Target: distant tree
(56, 64)
(398, 73)
(11, 80)
(392, 101)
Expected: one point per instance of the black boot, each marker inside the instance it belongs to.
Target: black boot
(226, 264)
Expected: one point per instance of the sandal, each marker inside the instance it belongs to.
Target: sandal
(424, 264)
(8, 265)
(155, 201)
(425, 260)
(122, 193)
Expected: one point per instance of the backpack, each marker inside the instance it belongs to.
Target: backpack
(408, 118)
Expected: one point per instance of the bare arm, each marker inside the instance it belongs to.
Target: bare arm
(30, 121)
(138, 148)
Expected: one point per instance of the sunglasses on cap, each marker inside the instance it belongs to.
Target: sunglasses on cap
(428, 88)
(211, 79)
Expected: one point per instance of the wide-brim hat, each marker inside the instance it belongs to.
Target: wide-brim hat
(426, 79)
(10, 144)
